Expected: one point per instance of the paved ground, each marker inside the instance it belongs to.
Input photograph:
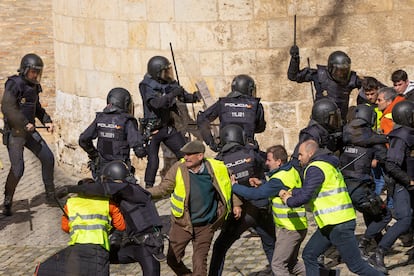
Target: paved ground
(33, 232)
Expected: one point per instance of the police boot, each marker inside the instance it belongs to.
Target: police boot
(51, 199)
(363, 247)
(377, 260)
(7, 205)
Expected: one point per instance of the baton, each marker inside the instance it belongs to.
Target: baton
(353, 161)
(175, 65)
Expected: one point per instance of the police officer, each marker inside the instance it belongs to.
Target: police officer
(20, 106)
(240, 107)
(116, 130)
(400, 167)
(335, 81)
(160, 92)
(324, 127)
(362, 145)
(142, 241)
(244, 162)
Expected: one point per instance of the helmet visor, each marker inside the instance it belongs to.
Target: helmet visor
(335, 120)
(167, 74)
(341, 73)
(33, 74)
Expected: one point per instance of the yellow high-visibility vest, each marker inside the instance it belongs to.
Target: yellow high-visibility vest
(283, 215)
(178, 196)
(89, 220)
(332, 204)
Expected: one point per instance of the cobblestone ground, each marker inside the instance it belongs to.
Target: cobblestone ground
(33, 233)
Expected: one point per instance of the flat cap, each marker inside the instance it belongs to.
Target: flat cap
(193, 147)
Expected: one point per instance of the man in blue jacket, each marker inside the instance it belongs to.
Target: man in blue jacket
(325, 190)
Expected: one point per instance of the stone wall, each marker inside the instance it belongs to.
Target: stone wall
(100, 44)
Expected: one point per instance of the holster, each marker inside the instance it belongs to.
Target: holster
(6, 134)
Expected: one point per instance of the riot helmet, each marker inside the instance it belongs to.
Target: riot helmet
(366, 113)
(115, 171)
(326, 113)
(120, 98)
(160, 69)
(403, 113)
(232, 134)
(339, 66)
(31, 68)
(244, 84)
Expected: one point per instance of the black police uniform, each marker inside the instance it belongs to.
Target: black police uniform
(117, 132)
(20, 106)
(236, 108)
(244, 162)
(325, 86)
(159, 100)
(324, 138)
(142, 240)
(362, 145)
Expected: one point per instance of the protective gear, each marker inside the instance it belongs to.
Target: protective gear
(177, 91)
(403, 113)
(327, 114)
(339, 67)
(112, 140)
(214, 147)
(31, 61)
(294, 51)
(244, 84)
(156, 65)
(366, 113)
(360, 168)
(120, 98)
(232, 133)
(240, 111)
(115, 170)
(28, 100)
(242, 164)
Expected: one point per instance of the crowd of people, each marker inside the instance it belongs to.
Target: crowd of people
(347, 159)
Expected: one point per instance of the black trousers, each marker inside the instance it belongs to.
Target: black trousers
(173, 139)
(133, 253)
(260, 219)
(35, 143)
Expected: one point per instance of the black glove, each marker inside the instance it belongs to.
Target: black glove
(61, 192)
(294, 51)
(215, 147)
(197, 96)
(178, 91)
(141, 152)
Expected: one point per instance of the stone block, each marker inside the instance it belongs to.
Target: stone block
(280, 35)
(116, 34)
(137, 34)
(235, 10)
(211, 63)
(187, 11)
(133, 10)
(239, 62)
(100, 9)
(95, 32)
(204, 37)
(160, 11)
(269, 9)
(249, 34)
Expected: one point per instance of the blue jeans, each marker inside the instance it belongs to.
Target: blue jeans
(342, 236)
(402, 213)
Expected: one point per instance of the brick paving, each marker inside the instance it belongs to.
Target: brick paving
(33, 233)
